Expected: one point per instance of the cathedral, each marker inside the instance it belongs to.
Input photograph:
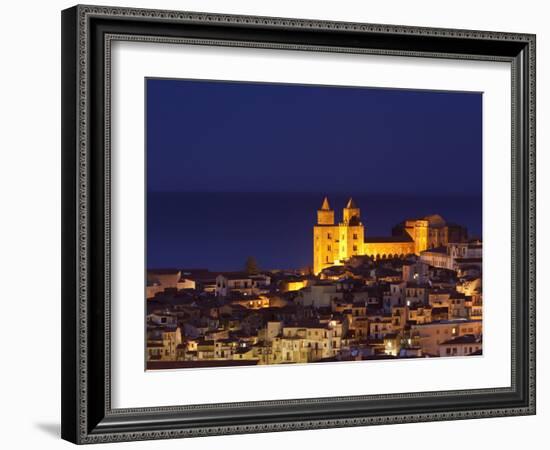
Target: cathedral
(334, 243)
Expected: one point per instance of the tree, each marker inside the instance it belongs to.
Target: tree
(251, 266)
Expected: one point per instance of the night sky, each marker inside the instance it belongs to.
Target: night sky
(222, 136)
(228, 137)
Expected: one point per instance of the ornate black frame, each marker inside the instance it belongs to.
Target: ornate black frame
(87, 416)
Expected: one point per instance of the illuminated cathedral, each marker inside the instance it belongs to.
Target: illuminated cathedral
(334, 243)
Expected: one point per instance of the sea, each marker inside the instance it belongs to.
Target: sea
(220, 230)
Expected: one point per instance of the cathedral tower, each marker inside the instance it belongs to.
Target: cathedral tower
(335, 243)
(325, 215)
(325, 239)
(352, 232)
(351, 212)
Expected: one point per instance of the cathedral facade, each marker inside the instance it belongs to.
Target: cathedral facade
(334, 243)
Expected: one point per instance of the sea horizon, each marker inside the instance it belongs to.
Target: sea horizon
(220, 230)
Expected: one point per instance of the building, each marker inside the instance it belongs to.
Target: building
(465, 345)
(238, 282)
(429, 336)
(162, 342)
(241, 283)
(160, 279)
(167, 278)
(319, 295)
(437, 257)
(306, 343)
(294, 284)
(415, 271)
(430, 232)
(454, 255)
(334, 243)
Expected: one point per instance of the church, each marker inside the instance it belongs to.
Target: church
(334, 243)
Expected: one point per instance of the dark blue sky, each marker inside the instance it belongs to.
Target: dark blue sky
(254, 137)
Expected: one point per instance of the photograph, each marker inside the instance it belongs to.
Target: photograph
(280, 220)
(302, 223)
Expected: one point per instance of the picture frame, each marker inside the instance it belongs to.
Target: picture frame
(87, 413)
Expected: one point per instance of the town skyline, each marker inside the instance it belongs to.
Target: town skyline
(413, 294)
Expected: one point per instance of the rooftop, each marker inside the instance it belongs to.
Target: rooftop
(465, 339)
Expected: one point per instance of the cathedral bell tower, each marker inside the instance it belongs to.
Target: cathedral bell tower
(325, 239)
(352, 232)
(351, 213)
(325, 215)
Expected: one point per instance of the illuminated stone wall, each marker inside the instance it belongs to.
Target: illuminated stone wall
(418, 231)
(334, 243)
(388, 249)
(326, 250)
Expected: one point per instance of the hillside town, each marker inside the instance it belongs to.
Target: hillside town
(414, 294)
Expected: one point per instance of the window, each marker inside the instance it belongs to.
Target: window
(355, 236)
(355, 248)
(329, 248)
(329, 236)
